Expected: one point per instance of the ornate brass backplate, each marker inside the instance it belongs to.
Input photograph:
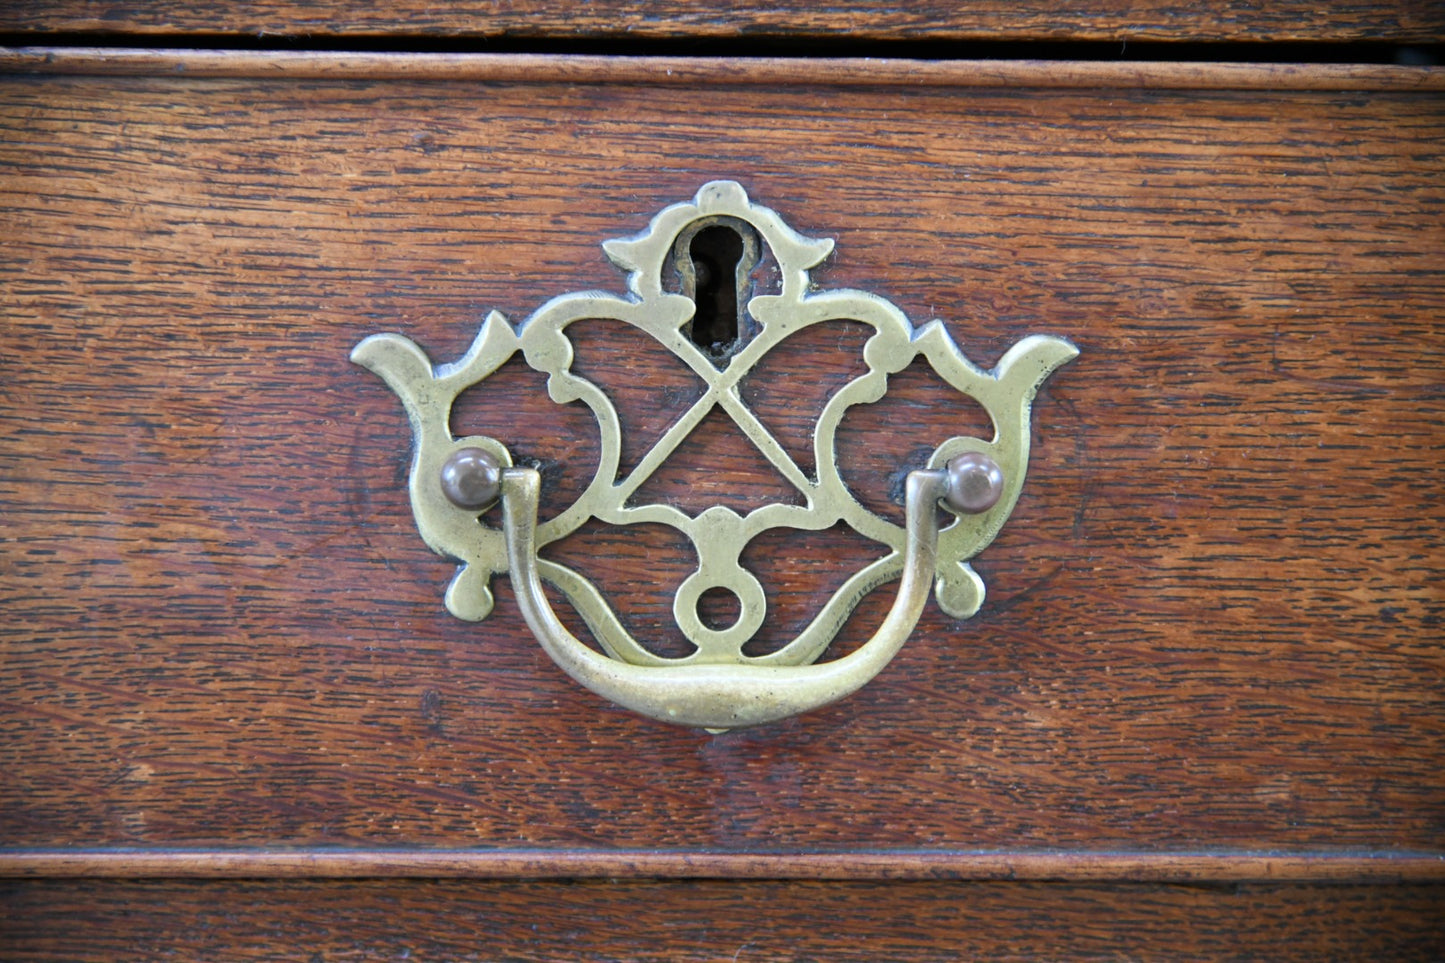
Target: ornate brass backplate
(717, 686)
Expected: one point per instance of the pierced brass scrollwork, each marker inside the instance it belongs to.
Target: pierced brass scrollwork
(717, 686)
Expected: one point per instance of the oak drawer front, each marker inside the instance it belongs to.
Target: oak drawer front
(764, 920)
(1213, 621)
(762, 26)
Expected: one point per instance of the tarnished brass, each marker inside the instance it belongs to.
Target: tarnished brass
(717, 686)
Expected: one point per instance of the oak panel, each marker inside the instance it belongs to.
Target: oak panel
(1214, 619)
(938, 20)
(695, 72)
(713, 920)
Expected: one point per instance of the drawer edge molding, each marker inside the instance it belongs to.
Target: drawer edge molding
(1217, 866)
(693, 71)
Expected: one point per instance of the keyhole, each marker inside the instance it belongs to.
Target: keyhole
(715, 252)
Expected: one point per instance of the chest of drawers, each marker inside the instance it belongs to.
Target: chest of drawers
(1200, 711)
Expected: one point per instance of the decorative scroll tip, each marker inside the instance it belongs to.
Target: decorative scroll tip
(469, 597)
(1037, 357)
(392, 357)
(716, 195)
(398, 361)
(621, 251)
(496, 341)
(959, 591)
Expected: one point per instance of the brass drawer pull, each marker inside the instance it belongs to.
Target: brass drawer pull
(718, 686)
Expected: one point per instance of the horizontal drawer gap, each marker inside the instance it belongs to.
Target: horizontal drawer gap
(1117, 866)
(754, 45)
(692, 71)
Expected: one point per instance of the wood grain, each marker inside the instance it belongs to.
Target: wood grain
(709, 71)
(1213, 623)
(1118, 20)
(451, 920)
(756, 862)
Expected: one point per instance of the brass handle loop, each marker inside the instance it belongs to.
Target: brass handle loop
(719, 697)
